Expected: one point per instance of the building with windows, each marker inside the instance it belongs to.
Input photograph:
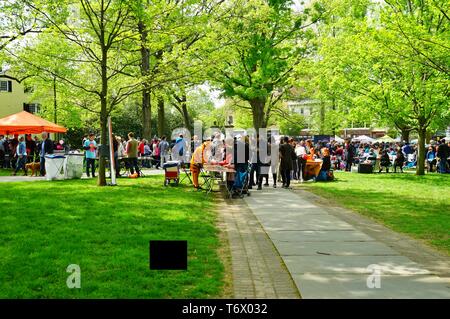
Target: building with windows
(14, 97)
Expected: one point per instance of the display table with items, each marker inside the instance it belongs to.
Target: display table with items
(214, 174)
(312, 169)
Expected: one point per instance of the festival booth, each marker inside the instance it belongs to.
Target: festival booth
(386, 139)
(312, 167)
(27, 123)
(363, 139)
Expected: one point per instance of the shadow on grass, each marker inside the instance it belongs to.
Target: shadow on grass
(49, 225)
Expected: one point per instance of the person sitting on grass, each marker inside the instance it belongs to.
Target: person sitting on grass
(21, 152)
(324, 173)
(385, 161)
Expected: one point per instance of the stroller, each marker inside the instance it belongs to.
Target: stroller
(171, 172)
(241, 181)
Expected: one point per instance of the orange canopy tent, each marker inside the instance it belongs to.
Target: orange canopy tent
(27, 123)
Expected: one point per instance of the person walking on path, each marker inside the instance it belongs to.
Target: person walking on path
(132, 154)
(156, 154)
(287, 155)
(349, 155)
(90, 145)
(46, 147)
(164, 150)
(300, 152)
(21, 152)
(2, 151)
(430, 158)
(442, 154)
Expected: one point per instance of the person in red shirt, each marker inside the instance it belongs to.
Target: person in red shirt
(141, 147)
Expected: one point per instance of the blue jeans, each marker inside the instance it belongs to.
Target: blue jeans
(443, 166)
(42, 168)
(21, 163)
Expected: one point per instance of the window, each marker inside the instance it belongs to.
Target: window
(5, 86)
(32, 107)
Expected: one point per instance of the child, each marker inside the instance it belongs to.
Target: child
(91, 153)
(399, 161)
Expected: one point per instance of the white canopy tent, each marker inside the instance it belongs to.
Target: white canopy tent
(363, 139)
(386, 139)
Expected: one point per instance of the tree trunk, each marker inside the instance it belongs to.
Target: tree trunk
(103, 141)
(258, 112)
(146, 115)
(322, 119)
(333, 107)
(405, 135)
(55, 106)
(145, 69)
(420, 170)
(161, 119)
(103, 116)
(186, 117)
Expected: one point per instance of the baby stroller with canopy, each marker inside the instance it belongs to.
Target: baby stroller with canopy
(241, 182)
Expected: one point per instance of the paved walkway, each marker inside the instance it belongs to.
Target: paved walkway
(19, 178)
(330, 257)
(257, 269)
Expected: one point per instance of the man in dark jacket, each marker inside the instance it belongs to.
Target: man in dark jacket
(349, 155)
(241, 154)
(443, 153)
(287, 155)
(46, 147)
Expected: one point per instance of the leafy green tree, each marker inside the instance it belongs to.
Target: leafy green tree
(98, 29)
(384, 76)
(262, 42)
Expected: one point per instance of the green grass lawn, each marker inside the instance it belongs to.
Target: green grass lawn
(7, 172)
(45, 226)
(415, 205)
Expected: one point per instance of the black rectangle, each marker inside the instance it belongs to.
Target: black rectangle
(365, 168)
(168, 254)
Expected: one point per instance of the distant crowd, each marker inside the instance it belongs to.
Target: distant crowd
(17, 151)
(291, 161)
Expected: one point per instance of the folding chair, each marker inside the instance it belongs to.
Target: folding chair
(185, 167)
(207, 180)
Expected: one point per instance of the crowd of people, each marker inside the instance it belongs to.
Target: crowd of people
(288, 164)
(396, 155)
(17, 151)
(152, 153)
(255, 157)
